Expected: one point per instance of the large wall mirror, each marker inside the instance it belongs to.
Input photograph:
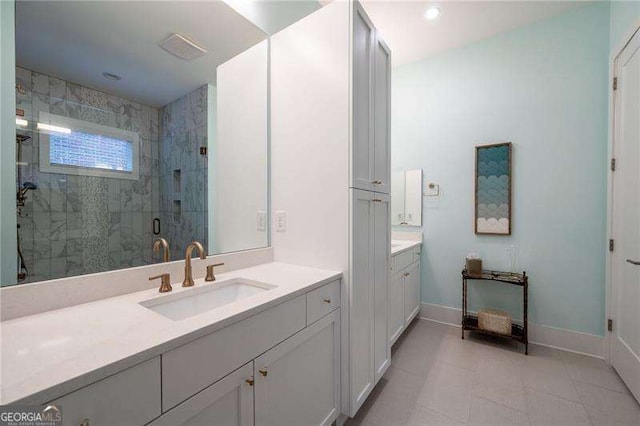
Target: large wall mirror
(134, 121)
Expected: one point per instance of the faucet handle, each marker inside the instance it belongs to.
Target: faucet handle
(210, 276)
(165, 282)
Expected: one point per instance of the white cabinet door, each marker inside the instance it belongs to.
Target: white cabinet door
(411, 292)
(382, 116)
(362, 145)
(298, 381)
(130, 397)
(382, 257)
(361, 300)
(396, 307)
(227, 402)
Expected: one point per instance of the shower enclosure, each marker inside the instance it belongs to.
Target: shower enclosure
(78, 219)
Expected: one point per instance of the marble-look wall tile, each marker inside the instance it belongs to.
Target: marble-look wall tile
(182, 132)
(83, 224)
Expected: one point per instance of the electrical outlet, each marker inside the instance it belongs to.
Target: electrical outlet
(281, 221)
(261, 219)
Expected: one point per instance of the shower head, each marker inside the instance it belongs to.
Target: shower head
(22, 138)
(30, 185)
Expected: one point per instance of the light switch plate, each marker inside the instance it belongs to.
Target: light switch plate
(261, 220)
(281, 221)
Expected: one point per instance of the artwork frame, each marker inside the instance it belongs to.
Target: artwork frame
(493, 189)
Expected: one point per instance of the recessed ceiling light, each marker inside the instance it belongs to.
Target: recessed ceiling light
(432, 13)
(111, 76)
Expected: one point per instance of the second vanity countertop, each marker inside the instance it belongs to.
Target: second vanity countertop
(48, 355)
(400, 246)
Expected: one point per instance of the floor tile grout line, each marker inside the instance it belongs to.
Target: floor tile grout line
(501, 404)
(554, 395)
(558, 397)
(625, 392)
(443, 414)
(585, 406)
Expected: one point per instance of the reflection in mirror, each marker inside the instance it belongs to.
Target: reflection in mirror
(136, 121)
(406, 198)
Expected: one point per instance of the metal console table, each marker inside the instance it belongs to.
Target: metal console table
(470, 322)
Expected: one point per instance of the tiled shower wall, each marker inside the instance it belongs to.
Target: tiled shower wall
(76, 225)
(183, 171)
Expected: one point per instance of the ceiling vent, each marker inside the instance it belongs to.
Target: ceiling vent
(182, 47)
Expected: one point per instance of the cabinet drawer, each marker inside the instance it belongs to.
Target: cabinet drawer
(196, 365)
(402, 260)
(322, 300)
(129, 397)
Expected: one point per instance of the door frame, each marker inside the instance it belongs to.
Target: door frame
(610, 311)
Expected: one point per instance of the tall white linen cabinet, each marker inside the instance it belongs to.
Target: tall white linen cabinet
(330, 170)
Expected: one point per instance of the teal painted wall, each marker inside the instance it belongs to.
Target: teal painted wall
(543, 87)
(8, 250)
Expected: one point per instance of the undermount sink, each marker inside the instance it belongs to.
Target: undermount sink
(205, 298)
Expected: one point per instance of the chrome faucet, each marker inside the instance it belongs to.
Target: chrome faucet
(162, 243)
(188, 274)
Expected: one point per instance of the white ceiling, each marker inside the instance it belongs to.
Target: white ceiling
(272, 16)
(78, 41)
(411, 37)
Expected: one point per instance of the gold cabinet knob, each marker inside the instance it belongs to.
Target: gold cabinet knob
(263, 372)
(406, 274)
(326, 300)
(250, 381)
(377, 182)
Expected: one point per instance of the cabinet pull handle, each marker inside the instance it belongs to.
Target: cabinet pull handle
(250, 381)
(377, 182)
(326, 300)
(406, 274)
(377, 200)
(263, 372)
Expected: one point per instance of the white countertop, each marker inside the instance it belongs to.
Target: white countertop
(47, 355)
(399, 246)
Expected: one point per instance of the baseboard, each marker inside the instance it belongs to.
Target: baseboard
(558, 338)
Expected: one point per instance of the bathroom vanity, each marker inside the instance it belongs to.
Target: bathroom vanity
(404, 286)
(271, 354)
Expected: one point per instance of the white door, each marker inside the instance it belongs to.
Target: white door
(226, 402)
(396, 308)
(361, 300)
(625, 260)
(411, 291)
(298, 381)
(362, 146)
(382, 117)
(382, 258)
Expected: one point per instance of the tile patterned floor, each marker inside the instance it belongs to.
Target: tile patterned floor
(437, 379)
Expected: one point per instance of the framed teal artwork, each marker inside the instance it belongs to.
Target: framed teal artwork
(493, 189)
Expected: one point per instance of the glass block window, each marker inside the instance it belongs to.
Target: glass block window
(77, 147)
(81, 149)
